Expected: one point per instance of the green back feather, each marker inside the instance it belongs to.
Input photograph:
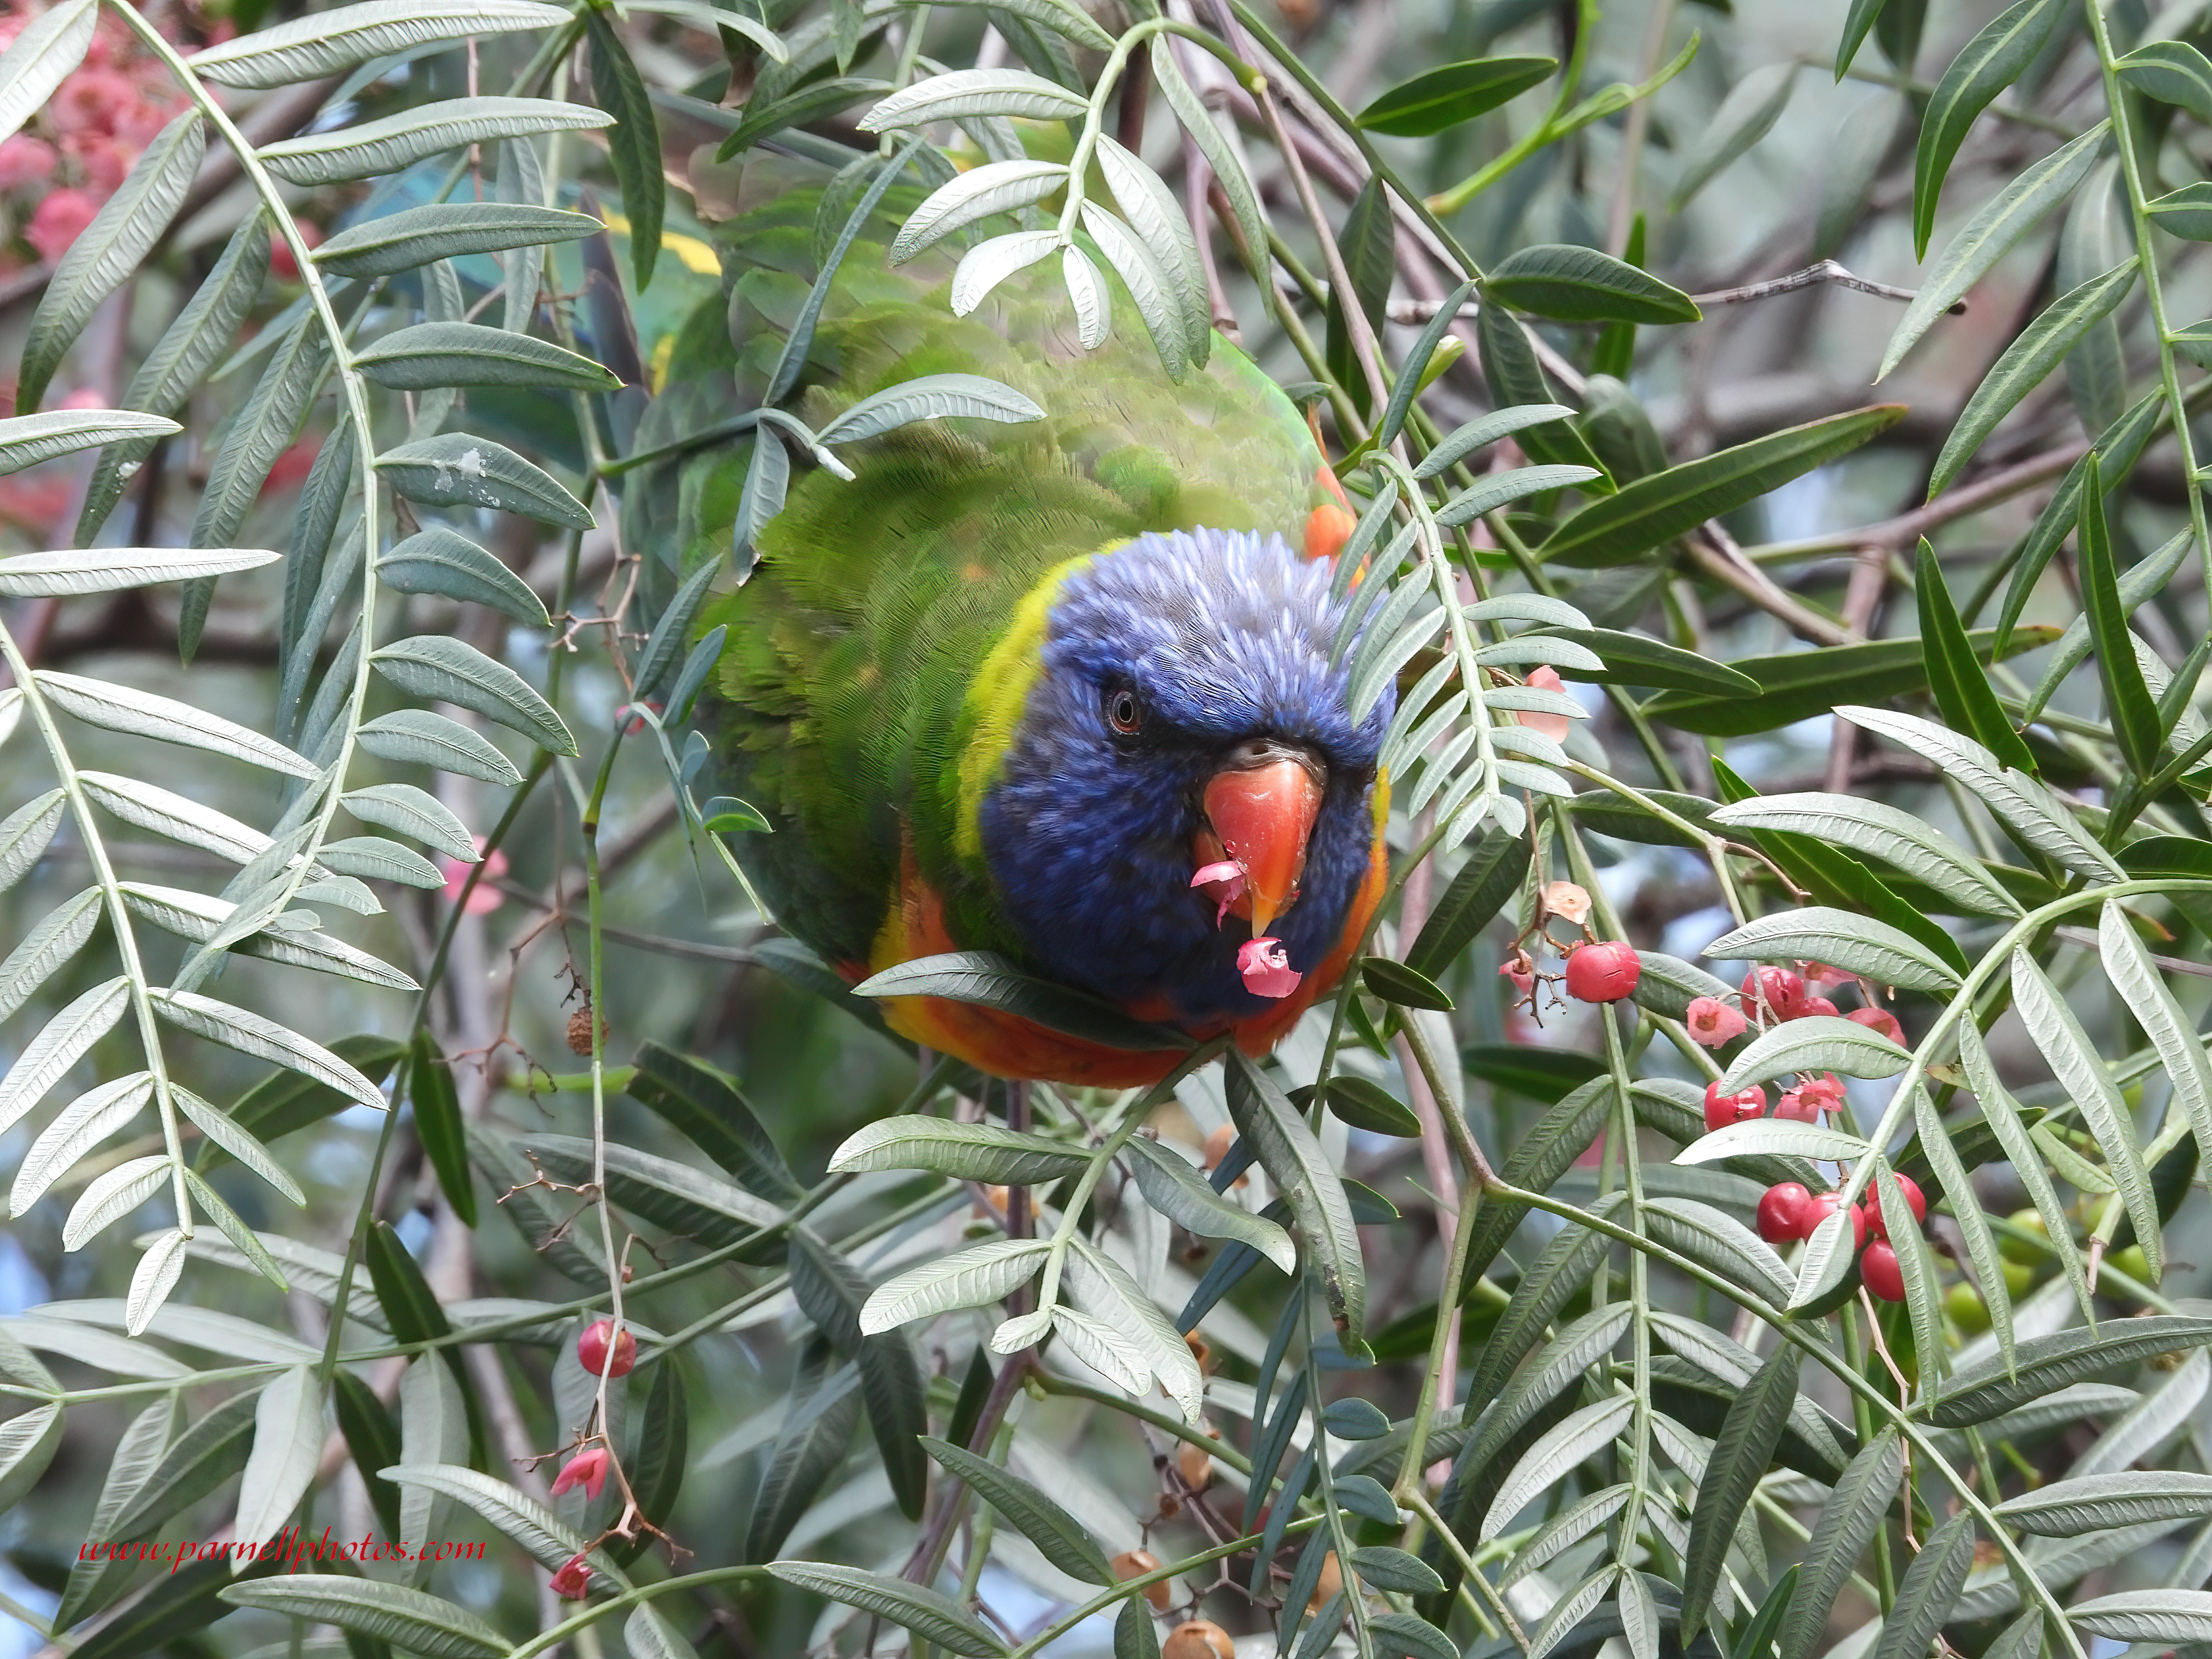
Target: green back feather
(852, 648)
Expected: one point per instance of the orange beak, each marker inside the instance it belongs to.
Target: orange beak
(1262, 816)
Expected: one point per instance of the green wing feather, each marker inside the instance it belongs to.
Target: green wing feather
(852, 647)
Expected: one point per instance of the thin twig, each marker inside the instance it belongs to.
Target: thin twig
(1827, 270)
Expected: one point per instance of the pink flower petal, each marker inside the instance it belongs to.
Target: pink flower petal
(1224, 880)
(587, 1469)
(1712, 1021)
(1267, 968)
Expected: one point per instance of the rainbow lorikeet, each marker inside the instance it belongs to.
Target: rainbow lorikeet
(1059, 689)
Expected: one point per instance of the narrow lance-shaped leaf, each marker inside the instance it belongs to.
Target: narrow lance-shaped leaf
(109, 250)
(1303, 1174)
(1752, 108)
(1748, 1437)
(1847, 1525)
(1931, 1585)
(2029, 362)
(633, 145)
(2002, 1112)
(2055, 1030)
(1985, 66)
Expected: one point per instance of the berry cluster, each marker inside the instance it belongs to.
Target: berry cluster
(1770, 995)
(1787, 1211)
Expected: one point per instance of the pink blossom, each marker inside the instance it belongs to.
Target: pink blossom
(1811, 1097)
(101, 161)
(486, 898)
(1879, 1019)
(1712, 1021)
(90, 100)
(1224, 881)
(1822, 977)
(84, 397)
(1521, 971)
(1554, 726)
(572, 1583)
(282, 265)
(26, 161)
(1267, 968)
(59, 221)
(587, 1469)
(1793, 1106)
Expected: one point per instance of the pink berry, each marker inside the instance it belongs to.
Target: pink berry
(1879, 1019)
(1914, 1199)
(1781, 1212)
(1721, 1109)
(1783, 992)
(1878, 1268)
(592, 1350)
(1603, 972)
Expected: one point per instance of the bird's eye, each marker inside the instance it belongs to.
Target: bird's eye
(1124, 712)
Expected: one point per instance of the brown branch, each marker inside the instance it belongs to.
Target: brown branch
(1827, 270)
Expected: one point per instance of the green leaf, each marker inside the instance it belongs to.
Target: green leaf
(1556, 1453)
(1159, 225)
(437, 561)
(27, 440)
(930, 398)
(396, 142)
(1409, 987)
(2174, 72)
(411, 1619)
(1657, 509)
(674, 1195)
(929, 1613)
(1756, 1639)
(1502, 488)
(1749, 1434)
(438, 1125)
(420, 737)
(1364, 1105)
(2132, 1497)
(2186, 213)
(1931, 1585)
(2144, 993)
(1250, 222)
(109, 251)
(1803, 684)
(2049, 1362)
(2119, 446)
(704, 1104)
(2066, 1048)
(1985, 66)
(455, 470)
(332, 42)
(2030, 360)
(656, 1469)
(1480, 433)
(1059, 1537)
(764, 117)
(201, 1459)
(1178, 1191)
(1949, 1167)
(1848, 1522)
(1563, 1362)
(979, 193)
(1439, 99)
(1369, 247)
(2129, 705)
(27, 1445)
(1545, 1153)
(1817, 1043)
(1639, 660)
(970, 1278)
(428, 355)
(1782, 1135)
(264, 1039)
(1007, 92)
(94, 1586)
(1491, 875)
(1962, 691)
(525, 1521)
(991, 981)
(1856, 944)
(1877, 830)
(435, 665)
(633, 144)
(1990, 234)
(831, 1292)
(371, 1442)
(1752, 108)
(408, 1303)
(1309, 1182)
(43, 55)
(2151, 1615)
(287, 1443)
(2002, 1113)
(417, 236)
(112, 569)
(1515, 378)
(1572, 284)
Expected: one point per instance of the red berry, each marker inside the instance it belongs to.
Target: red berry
(1878, 1268)
(1812, 1005)
(1914, 1199)
(1603, 972)
(1821, 1206)
(1879, 1019)
(1721, 1109)
(592, 1350)
(1784, 994)
(1781, 1212)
